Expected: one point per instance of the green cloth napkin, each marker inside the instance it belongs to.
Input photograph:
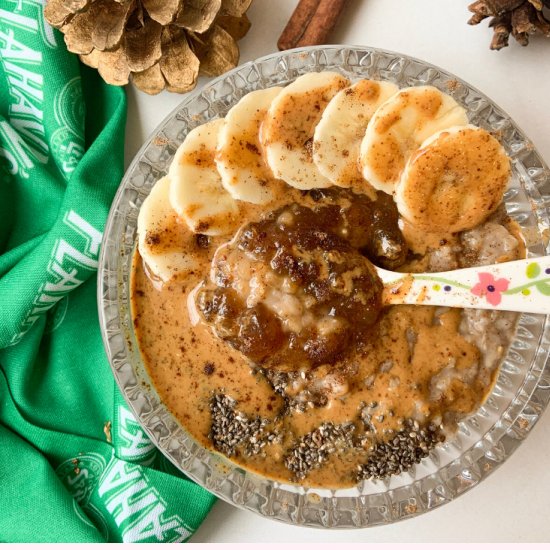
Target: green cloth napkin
(74, 463)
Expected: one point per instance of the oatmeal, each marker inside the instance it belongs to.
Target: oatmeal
(270, 341)
(259, 401)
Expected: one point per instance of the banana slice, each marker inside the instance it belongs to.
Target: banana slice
(338, 136)
(287, 131)
(454, 181)
(196, 191)
(161, 235)
(399, 126)
(244, 172)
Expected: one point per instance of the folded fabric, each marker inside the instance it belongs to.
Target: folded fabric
(75, 466)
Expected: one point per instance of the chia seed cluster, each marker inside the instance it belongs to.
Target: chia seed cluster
(232, 432)
(278, 380)
(314, 448)
(407, 447)
(232, 429)
(306, 399)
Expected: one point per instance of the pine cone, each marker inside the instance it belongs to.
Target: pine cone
(520, 18)
(156, 43)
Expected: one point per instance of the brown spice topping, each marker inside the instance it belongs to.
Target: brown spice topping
(152, 238)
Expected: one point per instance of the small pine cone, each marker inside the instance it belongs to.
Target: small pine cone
(158, 44)
(519, 18)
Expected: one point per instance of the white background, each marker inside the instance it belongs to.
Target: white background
(513, 504)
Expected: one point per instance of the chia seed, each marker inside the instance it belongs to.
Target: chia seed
(232, 429)
(314, 448)
(406, 448)
(280, 381)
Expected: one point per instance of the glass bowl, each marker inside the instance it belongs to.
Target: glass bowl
(483, 441)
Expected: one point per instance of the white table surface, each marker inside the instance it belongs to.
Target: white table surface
(513, 504)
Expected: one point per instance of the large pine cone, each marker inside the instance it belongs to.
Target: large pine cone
(157, 43)
(518, 18)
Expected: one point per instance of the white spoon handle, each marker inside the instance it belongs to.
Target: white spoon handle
(522, 285)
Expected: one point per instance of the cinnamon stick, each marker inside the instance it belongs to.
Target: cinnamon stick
(311, 23)
(297, 24)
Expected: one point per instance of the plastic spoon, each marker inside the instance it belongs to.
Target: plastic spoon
(522, 285)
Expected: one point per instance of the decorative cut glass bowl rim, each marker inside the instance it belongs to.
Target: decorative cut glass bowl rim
(299, 505)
